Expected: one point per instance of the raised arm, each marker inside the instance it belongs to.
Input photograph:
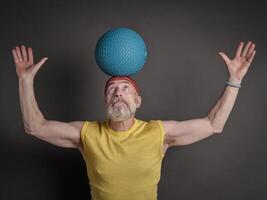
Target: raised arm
(55, 132)
(187, 132)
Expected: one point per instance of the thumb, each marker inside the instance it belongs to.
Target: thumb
(224, 57)
(39, 65)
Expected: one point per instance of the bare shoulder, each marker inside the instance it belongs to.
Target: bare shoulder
(167, 137)
(77, 124)
(168, 126)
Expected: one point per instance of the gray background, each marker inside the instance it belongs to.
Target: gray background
(182, 79)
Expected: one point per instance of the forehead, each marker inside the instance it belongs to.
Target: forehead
(119, 82)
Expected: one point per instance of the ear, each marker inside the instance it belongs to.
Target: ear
(138, 101)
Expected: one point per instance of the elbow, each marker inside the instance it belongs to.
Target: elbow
(32, 130)
(29, 131)
(215, 129)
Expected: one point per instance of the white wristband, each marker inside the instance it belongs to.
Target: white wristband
(233, 84)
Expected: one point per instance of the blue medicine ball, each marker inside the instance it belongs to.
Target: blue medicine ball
(120, 52)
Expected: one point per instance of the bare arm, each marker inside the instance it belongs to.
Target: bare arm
(190, 131)
(55, 132)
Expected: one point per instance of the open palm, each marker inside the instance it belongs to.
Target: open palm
(239, 65)
(24, 62)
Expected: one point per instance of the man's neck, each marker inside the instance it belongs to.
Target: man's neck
(122, 125)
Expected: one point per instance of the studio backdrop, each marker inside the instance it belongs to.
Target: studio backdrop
(182, 79)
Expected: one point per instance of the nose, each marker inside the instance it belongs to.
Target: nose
(118, 92)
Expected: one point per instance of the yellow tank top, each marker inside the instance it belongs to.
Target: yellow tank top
(123, 165)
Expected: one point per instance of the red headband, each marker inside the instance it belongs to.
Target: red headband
(127, 78)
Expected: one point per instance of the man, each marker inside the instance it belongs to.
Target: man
(123, 154)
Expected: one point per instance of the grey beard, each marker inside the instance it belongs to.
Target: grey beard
(120, 113)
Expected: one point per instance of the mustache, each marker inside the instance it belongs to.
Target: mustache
(119, 100)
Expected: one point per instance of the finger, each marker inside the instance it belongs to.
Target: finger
(224, 57)
(24, 53)
(15, 56)
(239, 49)
(250, 50)
(246, 48)
(30, 54)
(250, 59)
(39, 64)
(18, 53)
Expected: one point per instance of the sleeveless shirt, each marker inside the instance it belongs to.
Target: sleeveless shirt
(123, 165)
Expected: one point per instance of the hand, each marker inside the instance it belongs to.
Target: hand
(25, 66)
(239, 65)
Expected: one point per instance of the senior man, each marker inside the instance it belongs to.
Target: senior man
(123, 154)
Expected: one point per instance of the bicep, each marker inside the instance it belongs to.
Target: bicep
(187, 132)
(63, 134)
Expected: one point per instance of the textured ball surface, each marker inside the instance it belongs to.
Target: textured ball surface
(120, 52)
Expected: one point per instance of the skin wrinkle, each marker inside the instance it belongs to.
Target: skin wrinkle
(124, 110)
